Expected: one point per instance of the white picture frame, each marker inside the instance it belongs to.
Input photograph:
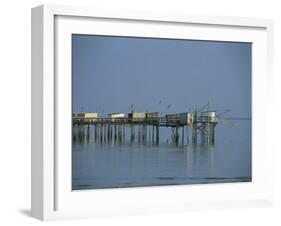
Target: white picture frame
(52, 197)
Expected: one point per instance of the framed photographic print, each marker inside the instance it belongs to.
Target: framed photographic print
(153, 111)
(136, 112)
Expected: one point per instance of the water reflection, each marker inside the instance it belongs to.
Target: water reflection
(106, 161)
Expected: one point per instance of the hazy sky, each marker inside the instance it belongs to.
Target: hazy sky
(111, 73)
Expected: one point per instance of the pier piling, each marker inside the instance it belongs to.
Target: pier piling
(106, 130)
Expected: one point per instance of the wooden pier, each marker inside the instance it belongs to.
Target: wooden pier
(144, 130)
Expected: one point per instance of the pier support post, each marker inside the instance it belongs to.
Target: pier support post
(139, 133)
(153, 134)
(88, 133)
(120, 133)
(115, 132)
(143, 133)
(95, 132)
(132, 133)
(177, 135)
(203, 133)
(100, 133)
(182, 136)
(157, 134)
(108, 132)
(74, 132)
(187, 138)
(194, 133)
(104, 133)
(212, 133)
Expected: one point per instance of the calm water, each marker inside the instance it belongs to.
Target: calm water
(128, 164)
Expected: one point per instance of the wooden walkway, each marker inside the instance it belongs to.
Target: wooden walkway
(160, 121)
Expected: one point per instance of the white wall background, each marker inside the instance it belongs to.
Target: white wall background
(15, 111)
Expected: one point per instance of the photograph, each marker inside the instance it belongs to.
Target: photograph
(160, 111)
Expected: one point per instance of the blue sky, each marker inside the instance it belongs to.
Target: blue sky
(111, 73)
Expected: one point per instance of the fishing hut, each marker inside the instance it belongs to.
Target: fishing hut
(207, 122)
(116, 115)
